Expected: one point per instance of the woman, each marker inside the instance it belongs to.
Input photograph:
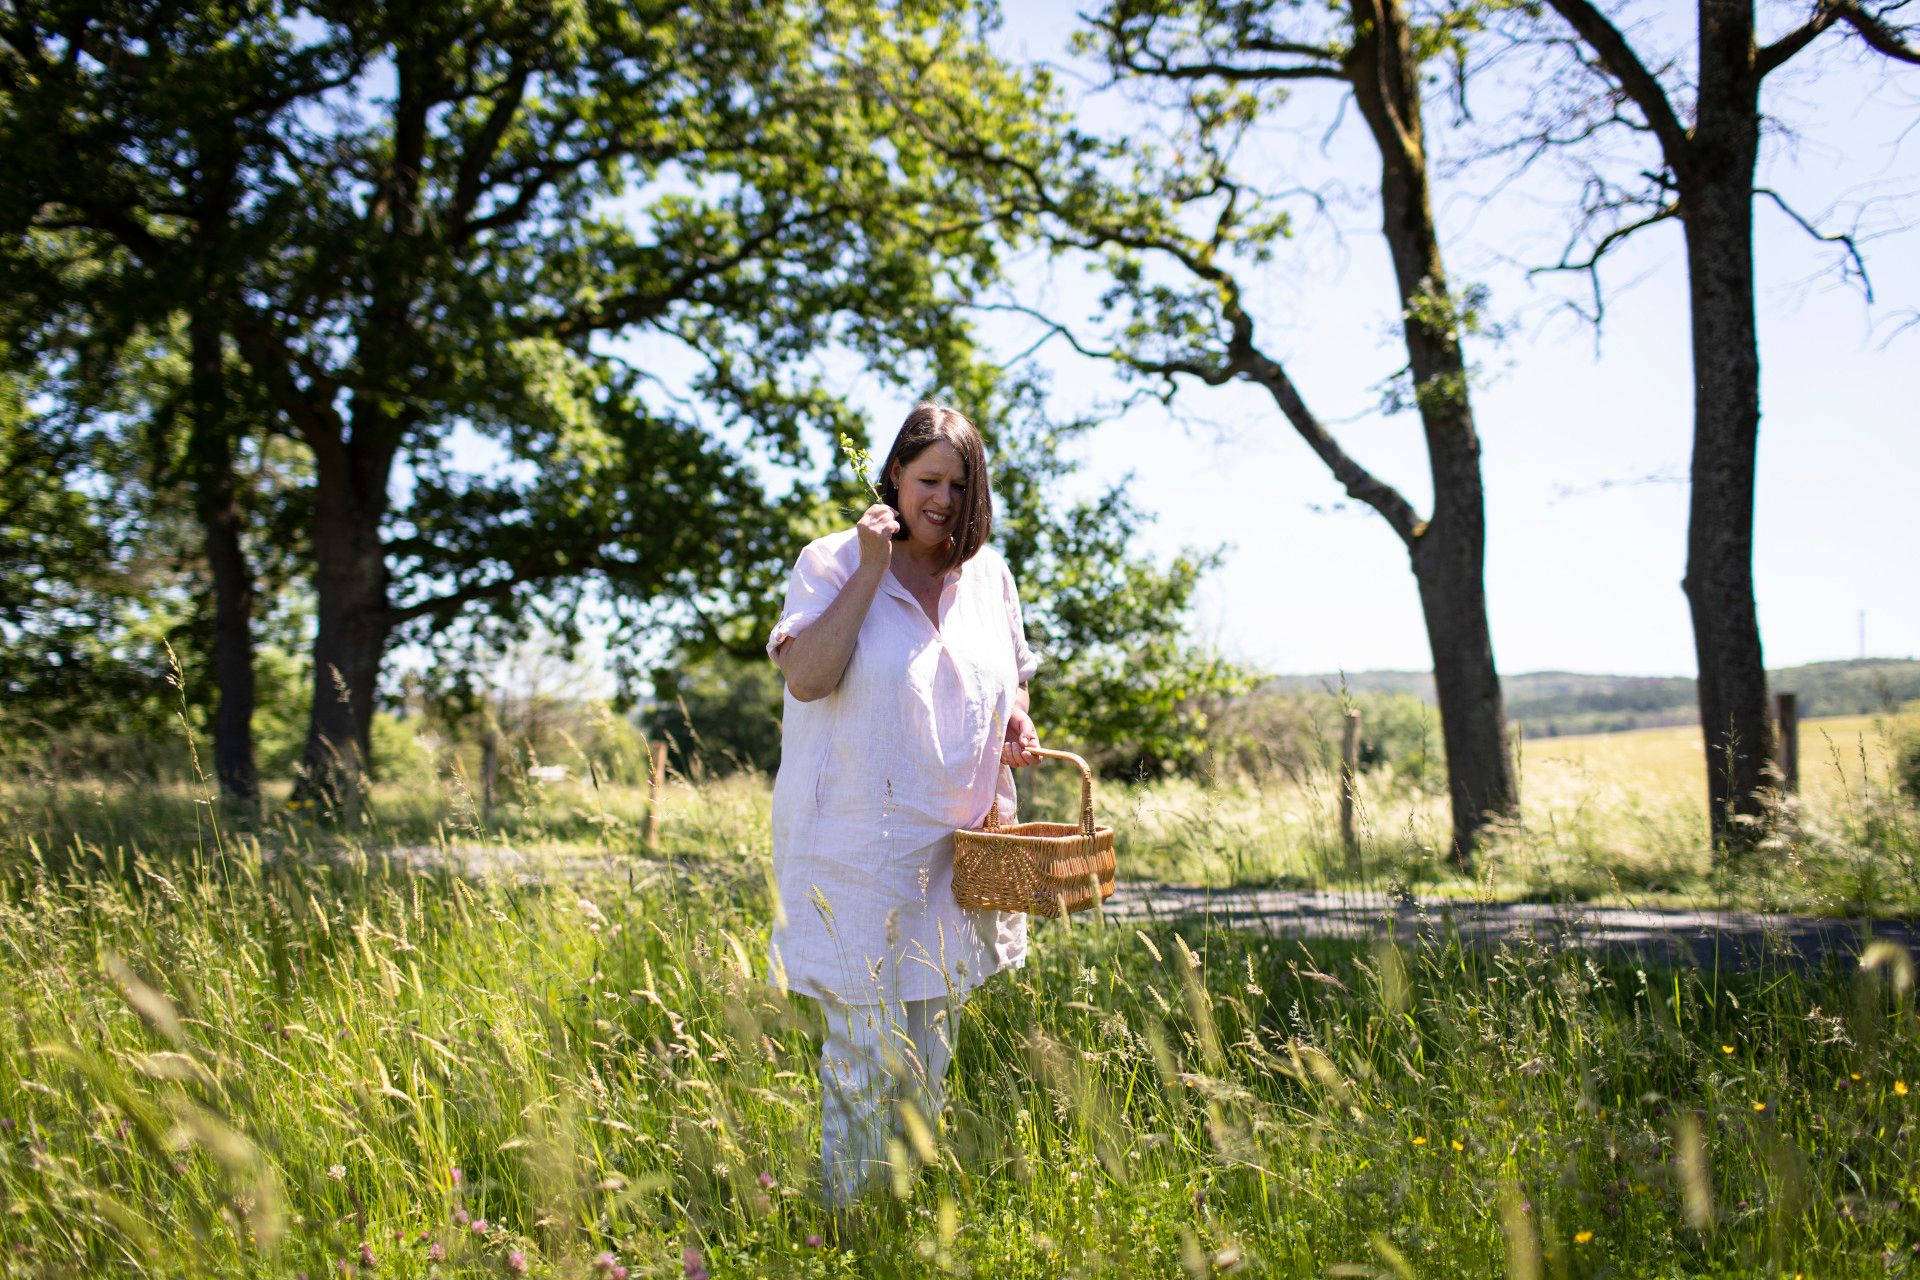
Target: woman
(906, 669)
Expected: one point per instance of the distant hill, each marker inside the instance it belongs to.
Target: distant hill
(1553, 703)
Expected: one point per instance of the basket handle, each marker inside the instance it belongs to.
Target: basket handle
(1086, 793)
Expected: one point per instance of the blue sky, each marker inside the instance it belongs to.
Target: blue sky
(1586, 437)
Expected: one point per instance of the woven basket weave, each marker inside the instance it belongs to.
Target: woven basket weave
(1042, 868)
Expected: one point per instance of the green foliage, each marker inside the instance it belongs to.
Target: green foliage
(718, 713)
(1121, 677)
(1905, 733)
(401, 224)
(1280, 730)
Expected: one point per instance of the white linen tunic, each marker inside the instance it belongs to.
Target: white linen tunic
(876, 776)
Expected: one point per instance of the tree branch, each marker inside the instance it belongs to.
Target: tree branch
(1841, 238)
(1163, 70)
(1775, 55)
(1879, 36)
(480, 153)
(1635, 80)
(1590, 265)
(633, 307)
(273, 360)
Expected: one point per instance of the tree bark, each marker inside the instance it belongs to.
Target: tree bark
(1717, 213)
(1449, 551)
(354, 622)
(216, 504)
(1473, 712)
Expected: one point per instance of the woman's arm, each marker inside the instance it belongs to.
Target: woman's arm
(814, 660)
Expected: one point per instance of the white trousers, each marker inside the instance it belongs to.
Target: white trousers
(876, 1060)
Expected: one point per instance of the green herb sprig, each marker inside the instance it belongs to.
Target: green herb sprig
(862, 463)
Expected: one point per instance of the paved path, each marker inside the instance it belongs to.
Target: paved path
(1704, 937)
(1738, 938)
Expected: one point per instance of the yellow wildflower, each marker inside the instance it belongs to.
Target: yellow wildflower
(1759, 1106)
(1583, 1237)
(1459, 1145)
(1900, 1088)
(1419, 1142)
(1726, 1048)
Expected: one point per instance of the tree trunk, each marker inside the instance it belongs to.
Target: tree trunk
(1717, 211)
(350, 582)
(1473, 714)
(210, 464)
(1449, 551)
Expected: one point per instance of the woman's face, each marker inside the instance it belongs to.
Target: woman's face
(933, 494)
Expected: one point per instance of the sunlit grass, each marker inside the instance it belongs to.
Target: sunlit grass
(1606, 818)
(224, 1063)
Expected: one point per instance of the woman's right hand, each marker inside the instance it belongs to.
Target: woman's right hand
(876, 529)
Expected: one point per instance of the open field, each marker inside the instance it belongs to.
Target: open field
(1615, 818)
(1838, 756)
(230, 1066)
(1611, 817)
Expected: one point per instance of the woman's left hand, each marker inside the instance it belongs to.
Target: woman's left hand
(1023, 741)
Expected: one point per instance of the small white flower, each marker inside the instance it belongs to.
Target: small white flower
(338, 1172)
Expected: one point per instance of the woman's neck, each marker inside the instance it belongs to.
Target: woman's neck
(925, 561)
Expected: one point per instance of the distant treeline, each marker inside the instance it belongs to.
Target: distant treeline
(1548, 704)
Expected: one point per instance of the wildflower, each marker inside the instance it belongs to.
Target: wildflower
(813, 1240)
(604, 1262)
(479, 1226)
(1726, 1048)
(766, 1180)
(690, 1261)
(1458, 1145)
(1900, 1088)
(619, 1273)
(1853, 1075)
(516, 1263)
(1419, 1142)
(1759, 1106)
(366, 1255)
(455, 1176)
(436, 1252)
(460, 1217)
(1583, 1237)
(337, 1172)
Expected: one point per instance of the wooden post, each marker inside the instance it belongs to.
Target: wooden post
(489, 772)
(1787, 713)
(1349, 768)
(656, 774)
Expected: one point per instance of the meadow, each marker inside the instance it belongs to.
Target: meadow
(436, 1046)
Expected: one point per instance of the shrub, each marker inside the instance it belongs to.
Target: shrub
(1906, 751)
(1295, 734)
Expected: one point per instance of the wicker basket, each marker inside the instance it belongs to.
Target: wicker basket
(1042, 868)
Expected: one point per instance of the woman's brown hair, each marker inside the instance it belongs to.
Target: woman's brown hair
(931, 424)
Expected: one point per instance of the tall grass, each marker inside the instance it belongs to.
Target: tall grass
(1618, 817)
(307, 1053)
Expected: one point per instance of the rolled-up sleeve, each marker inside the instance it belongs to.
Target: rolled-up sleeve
(1024, 657)
(816, 580)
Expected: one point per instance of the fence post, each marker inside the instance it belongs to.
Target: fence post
(1349, 767)
(1787, 712)
(489, 773)
(656, 773)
